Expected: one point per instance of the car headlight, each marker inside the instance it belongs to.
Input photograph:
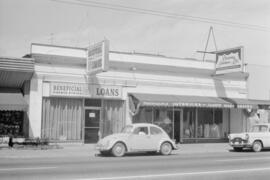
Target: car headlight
(229, 136)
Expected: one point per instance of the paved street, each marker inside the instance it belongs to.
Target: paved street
(69, 163)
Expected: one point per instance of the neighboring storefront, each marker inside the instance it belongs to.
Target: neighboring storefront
(15, 74)
(80, 95)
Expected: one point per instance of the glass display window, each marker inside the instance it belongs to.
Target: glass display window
(189, 122)
(11, 123)
(164, 119)
(210, 123)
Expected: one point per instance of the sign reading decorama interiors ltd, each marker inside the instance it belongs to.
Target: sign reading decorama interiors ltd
(85, 90)
(230, 60)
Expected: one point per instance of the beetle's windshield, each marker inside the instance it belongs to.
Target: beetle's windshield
(259, 128)
(127, 129)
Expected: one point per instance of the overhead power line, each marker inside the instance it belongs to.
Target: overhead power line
(117, 7)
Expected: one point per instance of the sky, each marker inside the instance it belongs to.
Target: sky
(23, 22)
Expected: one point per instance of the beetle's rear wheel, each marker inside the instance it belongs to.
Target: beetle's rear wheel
(165, 148)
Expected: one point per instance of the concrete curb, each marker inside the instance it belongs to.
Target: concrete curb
(86, 150)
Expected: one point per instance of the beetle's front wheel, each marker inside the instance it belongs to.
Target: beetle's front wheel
(118, 150)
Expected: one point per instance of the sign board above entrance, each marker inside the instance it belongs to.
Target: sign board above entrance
(97, 57)
(85, 90)
(230, 60)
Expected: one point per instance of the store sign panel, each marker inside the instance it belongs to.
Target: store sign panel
(98, 57)
(107, 92)
(85, 90)
(230, 60)
(67, 89)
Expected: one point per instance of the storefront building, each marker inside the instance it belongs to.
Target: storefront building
(15, 76)
(80, 95)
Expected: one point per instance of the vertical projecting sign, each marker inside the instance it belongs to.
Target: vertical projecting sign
(98, 57)
(230, 60)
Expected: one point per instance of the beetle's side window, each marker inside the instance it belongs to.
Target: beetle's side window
(155, 131)
(139, 130)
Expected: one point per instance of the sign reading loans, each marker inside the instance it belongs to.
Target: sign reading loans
(98, 57)
(111, 92)
(229, 60)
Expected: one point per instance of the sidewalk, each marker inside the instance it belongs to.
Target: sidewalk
(86, 150)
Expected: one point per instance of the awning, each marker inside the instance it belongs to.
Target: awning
(15, 71)
(242, 103)
(181, 101)
(12, 101)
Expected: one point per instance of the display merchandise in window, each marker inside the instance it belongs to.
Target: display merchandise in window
(210, 123)
(11, 123)
(189, 122)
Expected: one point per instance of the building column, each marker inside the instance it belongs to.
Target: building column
(35, 107)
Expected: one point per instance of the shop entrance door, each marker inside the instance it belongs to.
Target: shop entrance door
(178, 114)
(91, 128)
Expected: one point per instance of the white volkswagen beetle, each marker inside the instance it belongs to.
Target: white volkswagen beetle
(257, 138)
(140, 137)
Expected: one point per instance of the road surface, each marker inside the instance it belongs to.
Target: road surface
(226, 165)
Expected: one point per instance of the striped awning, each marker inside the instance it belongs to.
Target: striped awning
(12, 101)
(181, 101)
(15, 71)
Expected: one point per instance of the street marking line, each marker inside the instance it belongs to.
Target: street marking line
(245, 159)
(28, 168)
(177, 174)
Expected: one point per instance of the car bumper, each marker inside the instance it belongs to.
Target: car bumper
(100, 147)
(176, 146)
(240, 144)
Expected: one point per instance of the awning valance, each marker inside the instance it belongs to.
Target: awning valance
(181, 101)
(12, 101)
(243, 103)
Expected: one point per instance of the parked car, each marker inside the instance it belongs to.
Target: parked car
(140, 137)
(257, 138)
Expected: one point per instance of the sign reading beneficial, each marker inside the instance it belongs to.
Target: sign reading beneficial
(98, 57)
(229, 61)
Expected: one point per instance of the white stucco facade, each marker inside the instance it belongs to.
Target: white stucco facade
(133, 73)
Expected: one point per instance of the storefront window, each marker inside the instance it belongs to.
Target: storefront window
(195, 123)
(164, 119)
(145, 115)
(160, 117)
(11, 123)
(210, 123)
(189, 123)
